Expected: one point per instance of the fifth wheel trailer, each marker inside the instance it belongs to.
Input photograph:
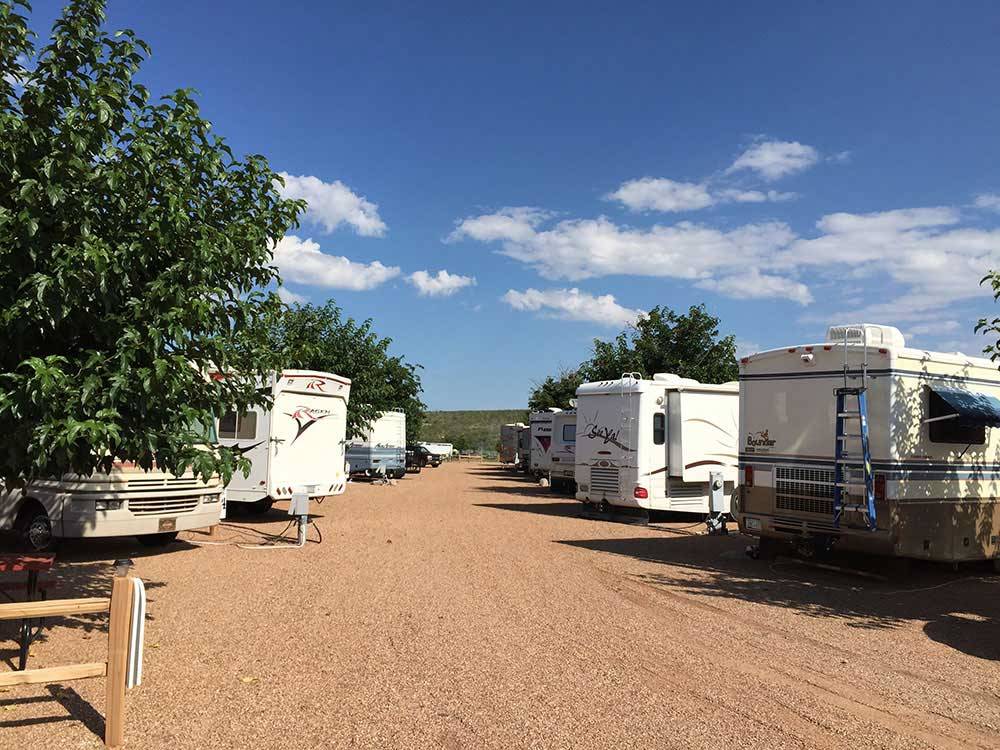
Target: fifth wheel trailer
(563, 452)
(540, 451)
(666, 444)
(508, 442)
(931, 422)
(382, 449)
(297, 446)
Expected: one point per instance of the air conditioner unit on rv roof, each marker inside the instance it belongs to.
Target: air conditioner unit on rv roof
(874, 335)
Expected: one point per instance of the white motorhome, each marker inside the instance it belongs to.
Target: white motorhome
(443, 451)
(657, 444)
(540, 452)
(508, 442)
(562, 473)
(934, 452)
(129, 501)
(296, 446)
(382, 450)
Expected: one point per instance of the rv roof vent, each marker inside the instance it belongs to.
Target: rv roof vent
(876, 335)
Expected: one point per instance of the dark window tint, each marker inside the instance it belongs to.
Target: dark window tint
(227, 425)
(247, 428)
(952, 430)
(569, 433)
(659, 428)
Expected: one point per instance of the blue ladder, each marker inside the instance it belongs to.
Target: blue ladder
(847, 462)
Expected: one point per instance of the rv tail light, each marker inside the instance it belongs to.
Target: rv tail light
(640, 493)
(748, 476)
(880, 486)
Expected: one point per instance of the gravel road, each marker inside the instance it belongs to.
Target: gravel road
(468, 608)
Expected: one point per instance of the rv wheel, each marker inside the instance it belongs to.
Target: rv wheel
(34, 528)
(157, 540)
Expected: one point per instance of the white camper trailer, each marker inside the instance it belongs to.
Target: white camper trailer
(663, 444)
(523, 447)
(296, 446)
(508, 442)
(443, 451)
(562, 473)
(382, 450)
(930, 482)
(540, 452)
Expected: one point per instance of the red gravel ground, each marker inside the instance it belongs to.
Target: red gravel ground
(468, 608)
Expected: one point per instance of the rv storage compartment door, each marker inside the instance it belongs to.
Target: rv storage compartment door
(675, 452)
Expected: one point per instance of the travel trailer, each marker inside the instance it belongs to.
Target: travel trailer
(129, 501)
(562, 473)
(382, 450)
(917, 471)
(442, 450)
(523, 447)
(296, 446)
(540, 455)
(508, 443)
(666, 444)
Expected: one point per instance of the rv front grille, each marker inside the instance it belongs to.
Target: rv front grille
(162, 506)
(604, 479)
(804, 490)
(173, 483)
(678, 489)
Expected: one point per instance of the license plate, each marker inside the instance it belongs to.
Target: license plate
(753, 523)
(168, 524)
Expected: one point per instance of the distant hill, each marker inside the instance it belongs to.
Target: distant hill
(476, 430)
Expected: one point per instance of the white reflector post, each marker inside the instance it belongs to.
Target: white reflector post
(137, 634)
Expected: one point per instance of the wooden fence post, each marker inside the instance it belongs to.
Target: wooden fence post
(118, 640)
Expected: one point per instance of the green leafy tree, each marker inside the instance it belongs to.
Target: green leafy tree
(555, 391)
(133, 248)
(319, 337)
(665, 341)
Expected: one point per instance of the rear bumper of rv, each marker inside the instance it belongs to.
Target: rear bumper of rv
(935, 529)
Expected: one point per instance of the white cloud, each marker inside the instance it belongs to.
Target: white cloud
(933, 328)
(572, 304)
(660, 194)
(303, 262)
(332, 204)
(746, 348)
(289, 297)
(515, 223)
(441, 284)
(752, 284)
(989, 201)
(775, 159)
(755, 196)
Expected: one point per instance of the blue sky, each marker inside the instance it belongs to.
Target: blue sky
(789, 164)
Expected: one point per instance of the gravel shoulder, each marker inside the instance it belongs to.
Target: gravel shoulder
(466, 607)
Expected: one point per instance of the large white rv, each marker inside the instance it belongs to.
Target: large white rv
(656, 444)
(508, 442)
(382, 450)
(523, 447)
(934, 452)
(129, 501)
(540, 451)
(296, 446)
(562, 473)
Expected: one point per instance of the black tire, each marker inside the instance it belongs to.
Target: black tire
(33, 528)
(260, 507)
(399, 473)
(768, 548)
(157, 540)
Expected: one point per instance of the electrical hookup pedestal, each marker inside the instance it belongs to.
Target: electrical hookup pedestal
(716, 521)
(298, 509)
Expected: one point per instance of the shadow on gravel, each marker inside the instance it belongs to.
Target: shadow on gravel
(77, 709)
(564, 509)
(961, 609)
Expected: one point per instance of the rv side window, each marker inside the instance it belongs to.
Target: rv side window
(951, 430)
(569, 433)
(247, 428)
(659, 428)
(227, 425)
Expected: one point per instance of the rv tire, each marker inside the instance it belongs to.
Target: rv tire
(33, 527)
(157, 540)
(767, 548)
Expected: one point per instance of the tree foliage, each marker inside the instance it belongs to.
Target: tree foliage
(319, 337)
(686, 344)
(555, 391)
(133, 245)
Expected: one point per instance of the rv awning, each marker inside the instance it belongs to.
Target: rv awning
(972, 408)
